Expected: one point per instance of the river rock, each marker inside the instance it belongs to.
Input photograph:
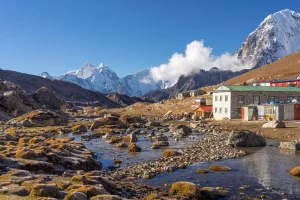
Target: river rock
(45, 190)
(148, 124)
(290, 145)
(295, 171)
(133, 137)
(274, 124)
(107, 197)
(245, 139)
(184, 189)
(134, 148)
(162, 138)
(76, 195)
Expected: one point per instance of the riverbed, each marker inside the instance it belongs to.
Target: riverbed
(264, 170)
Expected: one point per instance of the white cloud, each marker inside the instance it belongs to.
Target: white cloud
(196, 57)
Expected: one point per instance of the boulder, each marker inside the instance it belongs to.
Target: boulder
(107, 197)
(79, 129)
(48, 98)
(274, 124)
(148, 124)
(134, 148)
(162, 138)
(219, 168)
(245, 139)
(40, 118)
(45, 190)
(184, 189)
(14, 189)
(295, 171)
(14, 103)
(75, 195)
(96, 124)
(169, 153)
(26, 153)
(133, 137)
(290, 145)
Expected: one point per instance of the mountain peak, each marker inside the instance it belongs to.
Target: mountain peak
(45, 75)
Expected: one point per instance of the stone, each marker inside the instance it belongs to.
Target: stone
(290, 145)
(133, 137)
(160, 144)
(121, 145)
(96, 124)
(202, 171)
(219, 168)
(107, 197)
(45, 190)
(186, 190)
(245, 139)
(75, 195)
(134, 148)
(26, 153)
(295, 171)
(92, 190)
(48, 98)
(79, 129)
(15, 190)
(148, 124)
(274, 124)
(162, 138)
(169, 153)
(40, 118)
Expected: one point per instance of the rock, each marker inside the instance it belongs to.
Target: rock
(96, 124)
(274, 124)
(245, 139)
(121, 145)
(45, 190)
(151, 134)
(36, 165)
(295, 171)
(160, 144)
(148, 124)
(79, 129)
(134, 148)
(91, 190)
(26, 153)
(133, 137)
(48, 98)
(219, 168)
(14, 189)
(202, 171)
(185, 189)
(290, 145)
(13, 102)
(107, 197)
(114, 139)
(40, 118)
(75, 195)
(169, 153)
(162, 138)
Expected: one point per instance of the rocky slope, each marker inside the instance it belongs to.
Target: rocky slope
(195, 81)
(125, 100)
(67, 91)
(277, 36)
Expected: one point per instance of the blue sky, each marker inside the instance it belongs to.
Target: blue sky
(59, 35)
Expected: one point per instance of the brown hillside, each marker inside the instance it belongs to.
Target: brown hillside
(285, 68)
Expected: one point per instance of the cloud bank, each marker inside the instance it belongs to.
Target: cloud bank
(196, 57)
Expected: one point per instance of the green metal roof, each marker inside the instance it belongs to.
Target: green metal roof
(262, 88)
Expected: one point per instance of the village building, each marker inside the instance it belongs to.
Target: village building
(286, 83)
(195, 93)
(281, 112)
(229, 100)
(183, 95)
(262, 84)
(203, 110)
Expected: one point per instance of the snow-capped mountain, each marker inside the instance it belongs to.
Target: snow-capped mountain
(45, 75)
(277, 36)
(104, 80)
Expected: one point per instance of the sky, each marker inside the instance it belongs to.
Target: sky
(60, 35)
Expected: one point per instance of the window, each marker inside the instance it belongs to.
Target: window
(241, 99)
(280, 85)
(272, 98)
(226, 110)
(269, 111)
(256, 99)
(226, 97)
(290, 98)
(220, 110)
(216, 110)
(216, 98)
(221, 97)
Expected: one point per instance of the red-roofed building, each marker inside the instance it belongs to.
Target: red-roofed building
(204, 111)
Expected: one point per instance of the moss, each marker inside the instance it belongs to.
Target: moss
(151, 196)
(63, 184)
(35, 140)
(168, 153)
(295, 171)
(89, 190)
(76, 179)
(219, 168)
(43, 190)
(134, 148)
(23, 141)
(26, 153)
(76, 127)
(11, 131)
(127, 139)
(185, 189)
(115, 139)
(72, 187)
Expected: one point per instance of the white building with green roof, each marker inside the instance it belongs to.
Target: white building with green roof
(229, 99)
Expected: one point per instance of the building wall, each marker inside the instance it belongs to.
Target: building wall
(223, 105)
(234, 105)
(285, 83)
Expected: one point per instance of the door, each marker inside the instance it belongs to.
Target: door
(297, 112)
(243, 113)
